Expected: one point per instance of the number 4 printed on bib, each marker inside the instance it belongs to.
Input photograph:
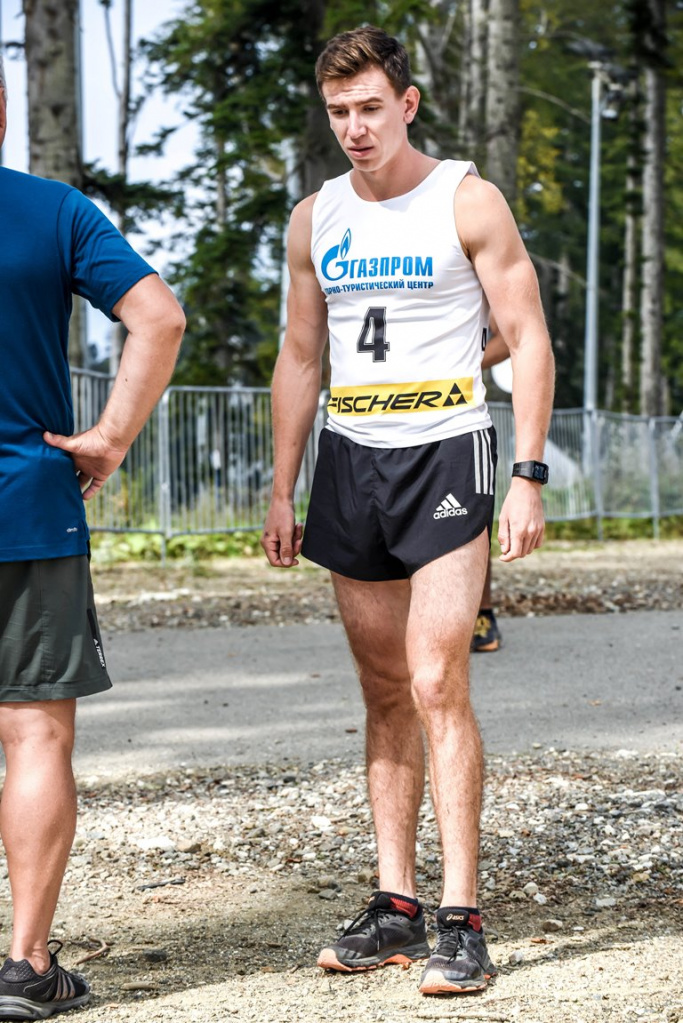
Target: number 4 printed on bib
(372, 335)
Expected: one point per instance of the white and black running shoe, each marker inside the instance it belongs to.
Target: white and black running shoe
(25, 994)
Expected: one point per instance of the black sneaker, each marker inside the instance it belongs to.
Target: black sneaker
(487, 636)
(380, 935)
(25, 994)
(460, 961)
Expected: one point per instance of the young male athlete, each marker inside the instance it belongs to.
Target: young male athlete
(399, 261)
(55, 243)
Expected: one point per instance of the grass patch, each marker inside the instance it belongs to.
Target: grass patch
(116, 548)
(670, 528)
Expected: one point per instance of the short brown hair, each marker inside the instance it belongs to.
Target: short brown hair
(350, 53)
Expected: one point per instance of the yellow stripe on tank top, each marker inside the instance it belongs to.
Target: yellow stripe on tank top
(384, 399)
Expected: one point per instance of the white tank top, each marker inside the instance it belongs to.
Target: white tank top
(407, 315)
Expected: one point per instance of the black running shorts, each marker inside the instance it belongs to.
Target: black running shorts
(50, 643)
(383, 513)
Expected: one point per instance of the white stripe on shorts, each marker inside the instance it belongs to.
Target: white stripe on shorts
(483, 463)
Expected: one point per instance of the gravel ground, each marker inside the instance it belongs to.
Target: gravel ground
(205, 894)
(209, 894)
(558, 579)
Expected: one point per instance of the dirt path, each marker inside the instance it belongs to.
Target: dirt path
(214, 890)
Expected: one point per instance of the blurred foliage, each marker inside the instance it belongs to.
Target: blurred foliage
(117, 548)
(244, 70)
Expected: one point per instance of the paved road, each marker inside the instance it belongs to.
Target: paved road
(259, 694)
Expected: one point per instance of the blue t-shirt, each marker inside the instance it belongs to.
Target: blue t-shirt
(53, 243)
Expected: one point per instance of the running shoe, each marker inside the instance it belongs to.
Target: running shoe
(487, 636)
(460, 961)
(383, 933)
(25, 994)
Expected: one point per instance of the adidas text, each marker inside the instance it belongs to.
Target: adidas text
(443, 514)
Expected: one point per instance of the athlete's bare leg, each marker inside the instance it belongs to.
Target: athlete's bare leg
(37, 817)
(443, 608)
(375, 617)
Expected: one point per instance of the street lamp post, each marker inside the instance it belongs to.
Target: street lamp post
(590, 370)
(607, 86)
(610, 78)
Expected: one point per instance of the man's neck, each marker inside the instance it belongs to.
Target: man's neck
(401, 176)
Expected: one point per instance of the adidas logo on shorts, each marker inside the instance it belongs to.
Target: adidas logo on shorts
(448, 508)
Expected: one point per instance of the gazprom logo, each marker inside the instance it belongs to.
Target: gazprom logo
(335, 265)
(339, 254)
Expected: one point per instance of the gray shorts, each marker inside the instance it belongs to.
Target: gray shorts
(50, 643)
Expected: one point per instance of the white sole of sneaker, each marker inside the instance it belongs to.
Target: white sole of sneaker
(434, 983)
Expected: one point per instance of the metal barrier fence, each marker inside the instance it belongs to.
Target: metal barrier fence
(203, 463)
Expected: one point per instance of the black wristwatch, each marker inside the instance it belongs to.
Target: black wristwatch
(536, 471)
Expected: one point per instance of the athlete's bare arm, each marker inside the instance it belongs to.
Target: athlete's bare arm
(296, 388)
(492, 241)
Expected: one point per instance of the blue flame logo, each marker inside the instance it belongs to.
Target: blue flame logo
(337, 257)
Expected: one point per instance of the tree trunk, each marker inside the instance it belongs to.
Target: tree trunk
(465, 74)
(123, 95)
(652, 289)
(502, 96)
(629, 287)
(53, 91)
(476, 94)
(54, 111)
(124, 103)
(437, 50)
(321, 155)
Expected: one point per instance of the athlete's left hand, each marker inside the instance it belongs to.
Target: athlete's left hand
(521, 525)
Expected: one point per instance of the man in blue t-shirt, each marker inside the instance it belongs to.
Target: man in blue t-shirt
(55, 243)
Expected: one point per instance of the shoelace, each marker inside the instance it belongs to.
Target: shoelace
(366, 920)
(449, 943)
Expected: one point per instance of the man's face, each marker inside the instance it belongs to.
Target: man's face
(3, 116)
(368, 118)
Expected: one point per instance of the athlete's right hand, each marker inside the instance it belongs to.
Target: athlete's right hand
(282, 535)
(95, 457)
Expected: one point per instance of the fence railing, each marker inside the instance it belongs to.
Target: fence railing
(204, 461)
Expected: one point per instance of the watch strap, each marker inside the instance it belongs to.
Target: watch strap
(531, 470)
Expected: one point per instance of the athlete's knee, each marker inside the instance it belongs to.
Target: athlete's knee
(385, 692)
(438, 691)
(46, 727)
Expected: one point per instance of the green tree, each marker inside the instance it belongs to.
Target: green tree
(245, 70)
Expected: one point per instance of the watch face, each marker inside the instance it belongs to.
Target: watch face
(540, 473)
